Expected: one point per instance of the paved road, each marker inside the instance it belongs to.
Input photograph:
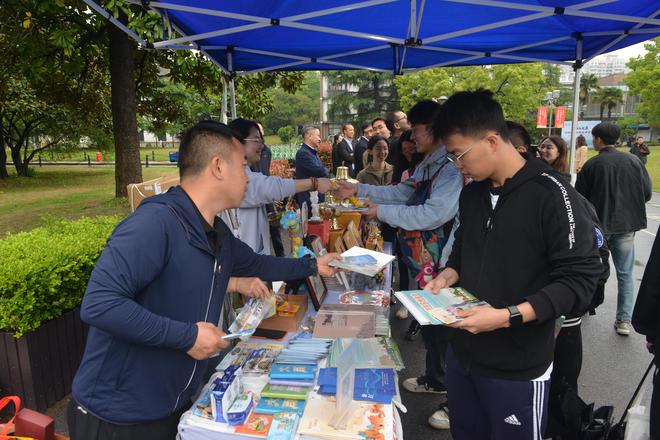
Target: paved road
(612, 364)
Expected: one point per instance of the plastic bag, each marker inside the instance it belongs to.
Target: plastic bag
(251, 315)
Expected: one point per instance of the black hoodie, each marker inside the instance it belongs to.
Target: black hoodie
(537, 245)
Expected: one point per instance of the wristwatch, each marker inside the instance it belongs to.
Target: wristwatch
(515, 317)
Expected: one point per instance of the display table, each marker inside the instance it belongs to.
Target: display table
(192, 427)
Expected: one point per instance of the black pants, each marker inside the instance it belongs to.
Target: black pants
(436, 338)
(655, 404)
(568, 356)
(276, 239)
(84, 426)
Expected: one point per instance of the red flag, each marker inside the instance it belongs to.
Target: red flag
(560, 117)
(542, 117)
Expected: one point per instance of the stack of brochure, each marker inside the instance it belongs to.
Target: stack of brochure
(438, 309)
(363, 261)
(304, 351)
(384, 350)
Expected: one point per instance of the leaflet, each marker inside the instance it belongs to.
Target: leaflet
(438, 309)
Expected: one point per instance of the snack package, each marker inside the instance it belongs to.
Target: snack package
(252, 313)
(240, 409)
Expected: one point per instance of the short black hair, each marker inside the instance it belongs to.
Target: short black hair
(243, 126)
(423, 112)
(201, 142)
(406, 136)
(470, 113)
(518, 135)
(379, 119)
(607, 131)
(389, 121)
(365, 125)
(375, 139)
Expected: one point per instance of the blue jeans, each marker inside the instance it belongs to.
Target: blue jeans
(622, 248)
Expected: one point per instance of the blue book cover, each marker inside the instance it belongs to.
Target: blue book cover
(371, 384)
(269, 405)
(284, 426)
(292, 371)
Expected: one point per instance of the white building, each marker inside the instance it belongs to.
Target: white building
(600, 66)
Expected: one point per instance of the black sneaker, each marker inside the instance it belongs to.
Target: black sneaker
(413, 331)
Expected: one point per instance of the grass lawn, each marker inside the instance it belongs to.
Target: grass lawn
(63, 192)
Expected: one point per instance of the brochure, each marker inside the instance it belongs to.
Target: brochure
(344, 324)
(285, 392)
(438, 309)
(293, 371)
(361, 260)
(371, 384)
(256, 424)
(268, 405)
(284, 426)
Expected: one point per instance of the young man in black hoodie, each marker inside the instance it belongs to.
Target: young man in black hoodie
(527, 247)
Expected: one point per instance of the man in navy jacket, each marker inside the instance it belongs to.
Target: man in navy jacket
(156, 293)
(308, 162)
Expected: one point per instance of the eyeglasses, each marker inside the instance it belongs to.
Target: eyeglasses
(401, 118)
(456, 160)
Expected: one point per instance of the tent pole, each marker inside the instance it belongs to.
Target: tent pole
(576, 104)
(232, 89)
(224, 101)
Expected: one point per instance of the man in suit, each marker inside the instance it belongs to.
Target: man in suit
(343, 154)
(308, 162)
(361, 146)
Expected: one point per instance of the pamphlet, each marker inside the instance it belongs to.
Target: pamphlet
(256, 424)
(270, 405)
(361, 260)
(284, 426)
(438, 309)
(344, 324)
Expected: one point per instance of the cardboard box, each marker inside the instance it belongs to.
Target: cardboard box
(140, 191)
(287, 324)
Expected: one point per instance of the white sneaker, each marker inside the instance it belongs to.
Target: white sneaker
(419, 385)
(622, 327)
(402, 313)
(440, 418)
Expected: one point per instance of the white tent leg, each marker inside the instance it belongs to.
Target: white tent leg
(224, 101)
(576, 106)
(232, 91)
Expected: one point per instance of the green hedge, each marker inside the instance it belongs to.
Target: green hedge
(44, 272)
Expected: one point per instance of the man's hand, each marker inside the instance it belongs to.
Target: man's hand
(446, 278)
(322, 264)
(323, 185)
(345, 190)
(248, 286)
(372, 213)
(209, 341)
(481, 319)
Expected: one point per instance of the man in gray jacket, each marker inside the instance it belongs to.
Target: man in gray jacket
(249, 223)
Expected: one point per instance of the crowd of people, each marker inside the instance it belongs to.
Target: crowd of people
(466, 199)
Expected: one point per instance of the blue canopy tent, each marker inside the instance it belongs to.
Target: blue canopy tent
(399, 36)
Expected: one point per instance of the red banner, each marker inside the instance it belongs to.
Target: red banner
(560, 117)
(542, 117)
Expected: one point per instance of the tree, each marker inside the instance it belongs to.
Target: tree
(519, 88)
(588, 86)
(59, 51)
(608, 97)
(301, 108)
(644, 80)
(360, 95)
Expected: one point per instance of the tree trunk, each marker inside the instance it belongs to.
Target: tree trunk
(3, 152)
(18, 162)
(128, 168)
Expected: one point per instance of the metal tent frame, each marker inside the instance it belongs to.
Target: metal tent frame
(241, 39)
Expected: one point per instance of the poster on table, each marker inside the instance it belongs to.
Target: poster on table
(583, 128)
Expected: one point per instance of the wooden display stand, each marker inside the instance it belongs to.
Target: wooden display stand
(346, 217)
(334, 234)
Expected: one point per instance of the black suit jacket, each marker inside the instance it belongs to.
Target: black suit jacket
(343, 156)
(359, 148)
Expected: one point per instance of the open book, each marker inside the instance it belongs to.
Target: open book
(362, 260)
(438, 309)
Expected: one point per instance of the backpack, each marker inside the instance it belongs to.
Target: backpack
(421, 250)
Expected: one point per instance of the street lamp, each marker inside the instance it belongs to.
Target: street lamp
(551, 100)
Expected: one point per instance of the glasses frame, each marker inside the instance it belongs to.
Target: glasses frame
(456, 160)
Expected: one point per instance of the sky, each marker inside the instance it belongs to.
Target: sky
(628, 52)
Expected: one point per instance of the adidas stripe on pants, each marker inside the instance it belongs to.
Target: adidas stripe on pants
(493, 409)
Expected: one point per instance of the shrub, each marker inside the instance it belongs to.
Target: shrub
(281, 168)
(44, 272)
(286, 133)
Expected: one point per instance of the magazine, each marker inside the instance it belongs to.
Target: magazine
(438, 309)
(363, 261)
